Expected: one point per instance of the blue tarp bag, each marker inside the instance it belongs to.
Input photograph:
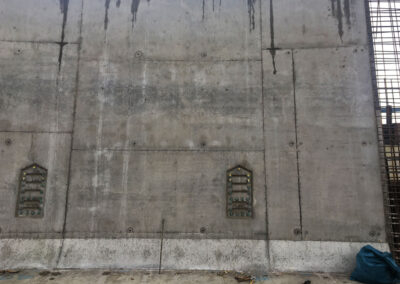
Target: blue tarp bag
(375, 267)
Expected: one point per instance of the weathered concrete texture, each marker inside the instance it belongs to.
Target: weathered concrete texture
(110, 253)
(35, 95)
(170, 95)
(313, 23)
(316, 256)
(240, 255)
(29, 253)
(174, 105)
(237, 255)
(280, 147)
(39, 20)
(141, 188)
(172, 30)
(18, 150)
(339, 162)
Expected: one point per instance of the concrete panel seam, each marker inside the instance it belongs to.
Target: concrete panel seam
(264, 140)
(315, 47)
(35, 132)
(39, 41)
(297, 142)
(73, 123)
(169, 150)
(113, 60)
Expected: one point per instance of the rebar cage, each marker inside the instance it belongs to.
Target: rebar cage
(383, 20)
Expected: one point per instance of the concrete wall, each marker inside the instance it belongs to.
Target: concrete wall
(138, 108)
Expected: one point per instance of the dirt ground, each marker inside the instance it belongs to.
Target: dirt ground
(133, 277)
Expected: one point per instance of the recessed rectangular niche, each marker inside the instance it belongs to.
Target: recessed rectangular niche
(31, 192)
(239, 193)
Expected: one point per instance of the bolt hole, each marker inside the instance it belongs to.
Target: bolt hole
(138, 54)
(203, 144)
(129, 230)
(202, 230)
(8, 141)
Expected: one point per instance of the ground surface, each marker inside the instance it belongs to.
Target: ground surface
(102, 277)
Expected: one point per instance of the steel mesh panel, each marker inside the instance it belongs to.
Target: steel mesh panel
(384, 34)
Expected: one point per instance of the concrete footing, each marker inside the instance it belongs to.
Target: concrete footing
(186, 254)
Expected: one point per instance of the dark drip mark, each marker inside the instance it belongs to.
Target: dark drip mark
(64, 10)
(107, 5)
(251, 11)
(272, 50)
(340, 19)
(220, 2)
(347, 12)
(64, 6)
(134, 10)
(336, 6)
(118, 3)
(204, 4)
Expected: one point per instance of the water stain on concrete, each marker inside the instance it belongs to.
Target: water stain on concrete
(107, 6)
(272, 49)
(64, 11)
(134, 10)
(347, 11)
(251, 11)
(337, 12)
(204, 5)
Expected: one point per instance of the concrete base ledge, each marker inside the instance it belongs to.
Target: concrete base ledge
(314, 256)
(181, 254)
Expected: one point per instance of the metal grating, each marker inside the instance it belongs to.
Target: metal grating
(239, 193)
(32, 187)
(384, 33)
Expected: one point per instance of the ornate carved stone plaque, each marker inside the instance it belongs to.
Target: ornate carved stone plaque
(31, 192)
(239, 193)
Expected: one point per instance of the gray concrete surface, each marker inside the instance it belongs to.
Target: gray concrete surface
(112, 276)
(138, 108)
(313, 23)
(337, 143)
